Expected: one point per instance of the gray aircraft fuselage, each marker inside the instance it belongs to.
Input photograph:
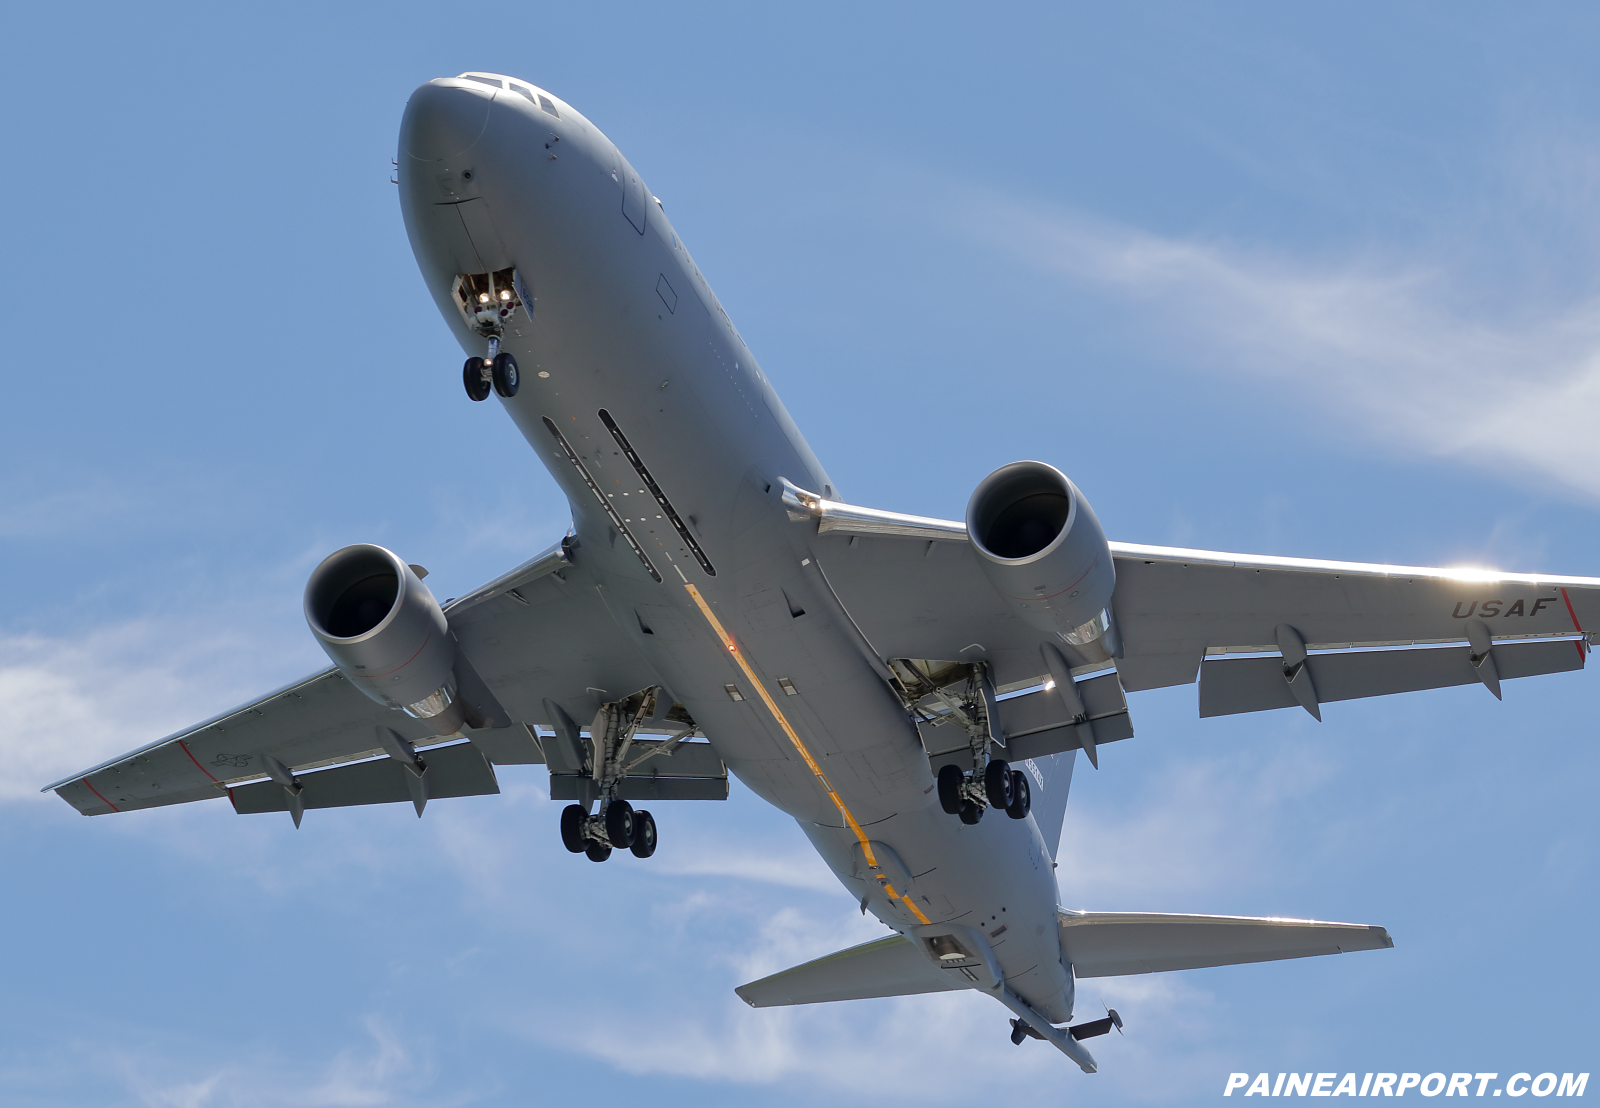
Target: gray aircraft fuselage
(620, 320)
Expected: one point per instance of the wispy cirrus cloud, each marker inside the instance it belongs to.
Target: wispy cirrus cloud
(1396, 344)
(74, 701)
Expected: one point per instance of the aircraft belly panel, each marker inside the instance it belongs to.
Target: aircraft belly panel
(995, 876)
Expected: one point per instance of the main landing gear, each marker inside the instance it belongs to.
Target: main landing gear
(991, 783)
(616, 827)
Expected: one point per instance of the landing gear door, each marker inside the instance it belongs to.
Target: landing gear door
(485, 239)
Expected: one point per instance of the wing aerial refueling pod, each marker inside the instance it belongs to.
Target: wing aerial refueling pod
(912, 691)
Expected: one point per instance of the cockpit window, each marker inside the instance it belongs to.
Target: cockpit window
(538, 99)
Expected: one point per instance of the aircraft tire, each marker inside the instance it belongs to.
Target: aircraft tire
(950, 779)
(472, 378)
(997, 782)
(598, 852)
(970, 813)
(644, 835)
(620, 824)
(505, 374)
(1022, 796)
(572, 817)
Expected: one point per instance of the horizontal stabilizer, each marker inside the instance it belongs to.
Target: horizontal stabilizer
(884, 967)
(1113, 944)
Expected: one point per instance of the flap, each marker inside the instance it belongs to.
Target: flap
(538, 633)
(892, 966)
(1036, 724)
(687, 759)
(1043, 710)
(564, 786)
(459, 770)
(1232, 685)
(915, 589)
(1114, 944)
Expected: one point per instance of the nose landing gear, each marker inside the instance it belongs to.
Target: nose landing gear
(488, 302)
(498, 372)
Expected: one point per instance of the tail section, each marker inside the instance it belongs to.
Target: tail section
(1113, 944)
(884, 967)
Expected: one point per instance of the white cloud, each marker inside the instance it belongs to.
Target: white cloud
(1393, 343)
(74, 702)
(381, 1068)
(1194, 827)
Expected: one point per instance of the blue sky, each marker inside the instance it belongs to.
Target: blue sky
(1291, 281)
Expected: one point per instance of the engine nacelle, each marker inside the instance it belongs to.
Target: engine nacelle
(1041, 546)
(386, 633)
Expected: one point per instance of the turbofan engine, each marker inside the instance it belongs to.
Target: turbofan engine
(1041, 546)
(386, 633)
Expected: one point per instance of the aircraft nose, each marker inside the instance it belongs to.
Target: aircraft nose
(444, 119)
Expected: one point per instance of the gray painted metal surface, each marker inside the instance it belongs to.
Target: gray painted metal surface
(715, 574)
(891, 966)
(1113, 944)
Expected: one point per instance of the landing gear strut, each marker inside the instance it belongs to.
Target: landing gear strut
(497, 372)
(488, 302)
(616, 825)
(992, 783)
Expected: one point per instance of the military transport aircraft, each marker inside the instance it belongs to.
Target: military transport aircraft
(913, 691)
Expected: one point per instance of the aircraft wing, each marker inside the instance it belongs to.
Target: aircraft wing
(914, 587)
(539, 632)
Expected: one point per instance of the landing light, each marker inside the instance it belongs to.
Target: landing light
(483, 298)
(504, 295)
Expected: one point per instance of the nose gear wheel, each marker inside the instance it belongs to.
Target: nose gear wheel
(503, 373)
(476, 375)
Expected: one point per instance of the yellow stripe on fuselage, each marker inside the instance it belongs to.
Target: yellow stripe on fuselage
(794, 738)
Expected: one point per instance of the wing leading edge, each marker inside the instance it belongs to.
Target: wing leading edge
(535, 636)
(914, 587)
